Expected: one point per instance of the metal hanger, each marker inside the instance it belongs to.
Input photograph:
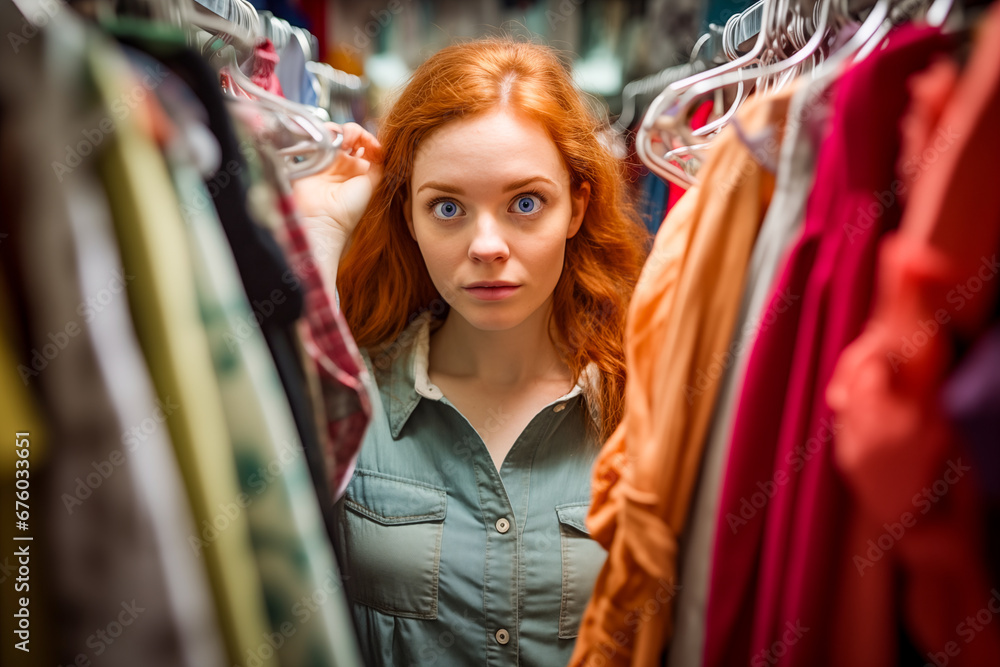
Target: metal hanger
(789, 64)
(316, 146)
(309, 146)
(337, 90)
(791, 41)
(938, 12)
(648, 134)
(873, 27)
(707, 51)
(783, 53)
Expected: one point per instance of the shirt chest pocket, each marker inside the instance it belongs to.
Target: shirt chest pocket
(392, 530)
(582, 559)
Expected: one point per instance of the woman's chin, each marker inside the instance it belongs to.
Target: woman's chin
(493, 318)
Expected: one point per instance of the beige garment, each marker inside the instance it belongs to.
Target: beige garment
(781, 227)
(677, 336)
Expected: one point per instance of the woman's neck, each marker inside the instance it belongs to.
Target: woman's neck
(506, 358)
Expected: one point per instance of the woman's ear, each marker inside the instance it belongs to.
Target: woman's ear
(408, 214)
(580, 200)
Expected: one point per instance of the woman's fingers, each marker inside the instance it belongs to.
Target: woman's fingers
(357, 138)
(350, 166)
(352, 159)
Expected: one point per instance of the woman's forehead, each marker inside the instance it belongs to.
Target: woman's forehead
(497, 148)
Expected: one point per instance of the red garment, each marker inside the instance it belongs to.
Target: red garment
(936, 292)
(265, 59)
(779, 536)
(698, 120)
(329, 343)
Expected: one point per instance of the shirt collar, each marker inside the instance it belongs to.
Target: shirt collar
(401, 369)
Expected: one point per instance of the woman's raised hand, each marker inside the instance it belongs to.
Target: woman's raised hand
(332, 201)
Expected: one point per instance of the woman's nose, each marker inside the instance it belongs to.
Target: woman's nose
(488, 243)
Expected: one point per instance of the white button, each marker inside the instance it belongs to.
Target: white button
(559, 408)
(503, 525)
(502, 636)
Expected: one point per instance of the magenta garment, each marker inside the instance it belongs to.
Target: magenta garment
(265, 59)
(782, 510)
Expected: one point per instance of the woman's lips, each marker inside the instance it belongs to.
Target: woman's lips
(491, 292)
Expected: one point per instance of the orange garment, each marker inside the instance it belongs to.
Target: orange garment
(677, 337)
(937, 288)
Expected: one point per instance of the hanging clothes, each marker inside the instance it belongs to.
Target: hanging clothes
(679, 327)
(112, 549)
(330, 345)
(21, 410)
(273, 477)
(807, 116)
(207, 525)
(149, 229)
(242, 200)
(300, 84)
(699, 119)
(772, 564)
(652, 192)
(936, 294)
(265, 60)
(276, 493)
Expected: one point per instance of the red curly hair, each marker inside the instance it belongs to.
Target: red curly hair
(382, 279)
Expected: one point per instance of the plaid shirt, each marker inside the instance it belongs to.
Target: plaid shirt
(330, 345)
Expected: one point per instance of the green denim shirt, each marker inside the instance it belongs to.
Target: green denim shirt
(449, 561)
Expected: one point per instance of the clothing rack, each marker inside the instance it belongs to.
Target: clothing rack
(332, 94)
(708, 51)
(280, 32)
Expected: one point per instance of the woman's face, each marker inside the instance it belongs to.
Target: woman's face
(491, 209)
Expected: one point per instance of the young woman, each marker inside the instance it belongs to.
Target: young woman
(490, 256)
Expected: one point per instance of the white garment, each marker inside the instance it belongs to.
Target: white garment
(781, 227)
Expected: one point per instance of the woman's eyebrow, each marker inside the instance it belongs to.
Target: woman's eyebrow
(443, 187)
(516, 185)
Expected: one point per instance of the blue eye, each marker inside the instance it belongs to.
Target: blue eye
(528, 204)
(446, 209)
